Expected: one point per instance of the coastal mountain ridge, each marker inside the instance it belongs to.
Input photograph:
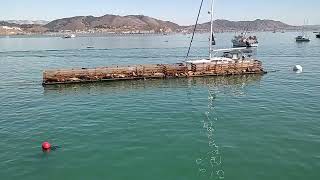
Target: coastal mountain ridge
(145, 23)
(138, 24)
(221, 25)
(112, 22)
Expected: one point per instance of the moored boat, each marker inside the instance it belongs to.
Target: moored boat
(302, 38)
(229, 56)
(245, 41)
(68, 36)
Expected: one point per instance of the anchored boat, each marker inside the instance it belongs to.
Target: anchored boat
(245, 41)
(229, 56)
(303, 37)
(68, 36)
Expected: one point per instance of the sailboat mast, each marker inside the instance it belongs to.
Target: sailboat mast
(211, 30)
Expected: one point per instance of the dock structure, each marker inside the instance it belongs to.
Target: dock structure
(151, 71)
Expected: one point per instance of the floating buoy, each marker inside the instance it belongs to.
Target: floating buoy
(297, 68)
(46, 146)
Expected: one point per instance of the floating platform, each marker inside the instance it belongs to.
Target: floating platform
(151, 71)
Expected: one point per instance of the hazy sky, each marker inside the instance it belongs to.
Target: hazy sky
(180, 11)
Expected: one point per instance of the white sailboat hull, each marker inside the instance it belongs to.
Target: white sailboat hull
(237, 44)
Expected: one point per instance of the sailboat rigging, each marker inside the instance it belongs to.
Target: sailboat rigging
(212, 40)
(303, 37)
(195, 28)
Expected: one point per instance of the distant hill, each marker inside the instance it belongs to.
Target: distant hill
(140, 22)
(256, 25)
(114, 22)
(137, 24)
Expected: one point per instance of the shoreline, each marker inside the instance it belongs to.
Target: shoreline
(101, 34)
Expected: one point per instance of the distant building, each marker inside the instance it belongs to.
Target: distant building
(11, 28)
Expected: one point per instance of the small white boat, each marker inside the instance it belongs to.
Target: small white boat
(303, 38)
(245, 41)
(232, 55)
(67, 36)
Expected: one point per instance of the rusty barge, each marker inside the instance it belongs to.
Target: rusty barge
(155, 71)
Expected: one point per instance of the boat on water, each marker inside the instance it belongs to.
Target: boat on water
(245, 41)
(302, 38)
(229, 56)
(68, 36)
(318, 35)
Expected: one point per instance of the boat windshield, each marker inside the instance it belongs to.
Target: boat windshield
(227, 55)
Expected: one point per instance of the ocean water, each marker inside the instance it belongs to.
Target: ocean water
(243, 127)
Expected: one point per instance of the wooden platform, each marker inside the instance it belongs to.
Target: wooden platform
(149, 71)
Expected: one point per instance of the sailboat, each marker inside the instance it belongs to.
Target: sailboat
(229, 56)
(303, 37)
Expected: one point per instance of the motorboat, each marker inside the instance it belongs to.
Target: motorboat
(302, 38)
(245, 41)
(68, 36)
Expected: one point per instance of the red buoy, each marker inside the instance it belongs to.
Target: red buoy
(46, 146)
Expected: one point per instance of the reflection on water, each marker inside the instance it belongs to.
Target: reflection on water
(210, 163)
(223, 83)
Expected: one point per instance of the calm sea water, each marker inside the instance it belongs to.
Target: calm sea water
(244, 127)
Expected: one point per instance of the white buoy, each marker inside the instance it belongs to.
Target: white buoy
(297, 69)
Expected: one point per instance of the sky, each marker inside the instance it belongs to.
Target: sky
(183, 12)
